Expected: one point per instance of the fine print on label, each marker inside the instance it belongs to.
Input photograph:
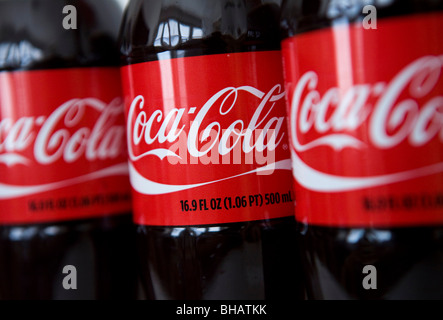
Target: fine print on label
(227, 203)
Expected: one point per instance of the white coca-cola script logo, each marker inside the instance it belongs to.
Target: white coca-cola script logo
(63, 136)
(52, 140)
(170, 127)
(390, 121)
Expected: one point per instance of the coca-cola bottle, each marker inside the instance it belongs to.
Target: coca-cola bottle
(66, 228)
(209, 160)
(365, 90)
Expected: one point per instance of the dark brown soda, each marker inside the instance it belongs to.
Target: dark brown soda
(32, 256)
(247, 260)
(408, 260)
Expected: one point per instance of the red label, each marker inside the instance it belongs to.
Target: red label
(366, 122)
(207, 139)
(62, 145)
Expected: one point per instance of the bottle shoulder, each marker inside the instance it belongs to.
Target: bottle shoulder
(304, 16)
(190, 28)
(44, 35)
